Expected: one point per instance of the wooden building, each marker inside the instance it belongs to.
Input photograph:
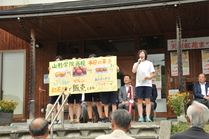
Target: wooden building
(77, 29)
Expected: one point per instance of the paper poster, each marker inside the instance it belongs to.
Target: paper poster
(83, 76)
(205, 61)
(46, 78)
(185, 63)
(141, 76)
(157, 80)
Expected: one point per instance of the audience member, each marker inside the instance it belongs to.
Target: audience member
(121, 120)
(39, 128)
(198, 116)
(201, 90)
(124, 94)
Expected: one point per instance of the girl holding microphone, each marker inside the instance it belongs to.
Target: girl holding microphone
(144, 70)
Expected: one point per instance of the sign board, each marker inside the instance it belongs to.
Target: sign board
(83, 76)
(189, 43)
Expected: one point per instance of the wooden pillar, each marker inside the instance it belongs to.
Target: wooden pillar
(179, 55)
(179, 50)
(32, 75)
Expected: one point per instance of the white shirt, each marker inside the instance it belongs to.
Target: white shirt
(146, 67)
(119, 130)
(203, 92)
(127, 87)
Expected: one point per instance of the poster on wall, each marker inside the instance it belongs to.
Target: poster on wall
(205, 61)
(46, 78)
(185, 63)
(83, 76)
(157, 80)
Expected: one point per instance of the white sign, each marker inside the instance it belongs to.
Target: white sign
(173, 91)
(190, 43)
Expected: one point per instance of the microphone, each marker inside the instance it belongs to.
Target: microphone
(139, 61)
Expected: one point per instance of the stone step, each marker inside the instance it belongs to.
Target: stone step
(142, 130)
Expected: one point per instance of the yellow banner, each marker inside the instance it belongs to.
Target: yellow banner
(83, 76)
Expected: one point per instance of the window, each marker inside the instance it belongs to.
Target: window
(151, 42)
(109, 45)
(68, 48)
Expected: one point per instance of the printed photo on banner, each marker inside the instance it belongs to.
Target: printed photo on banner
(83, 75)
(185, 63)
(205, 61)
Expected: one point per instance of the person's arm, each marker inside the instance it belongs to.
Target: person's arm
(118, 69)
(150, 77)
(135, 67)
(120, 95)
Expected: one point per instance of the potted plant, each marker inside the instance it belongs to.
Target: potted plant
(177, 101)
(6, 111)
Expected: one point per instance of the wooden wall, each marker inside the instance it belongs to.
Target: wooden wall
(11, 42)
(43, 56)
